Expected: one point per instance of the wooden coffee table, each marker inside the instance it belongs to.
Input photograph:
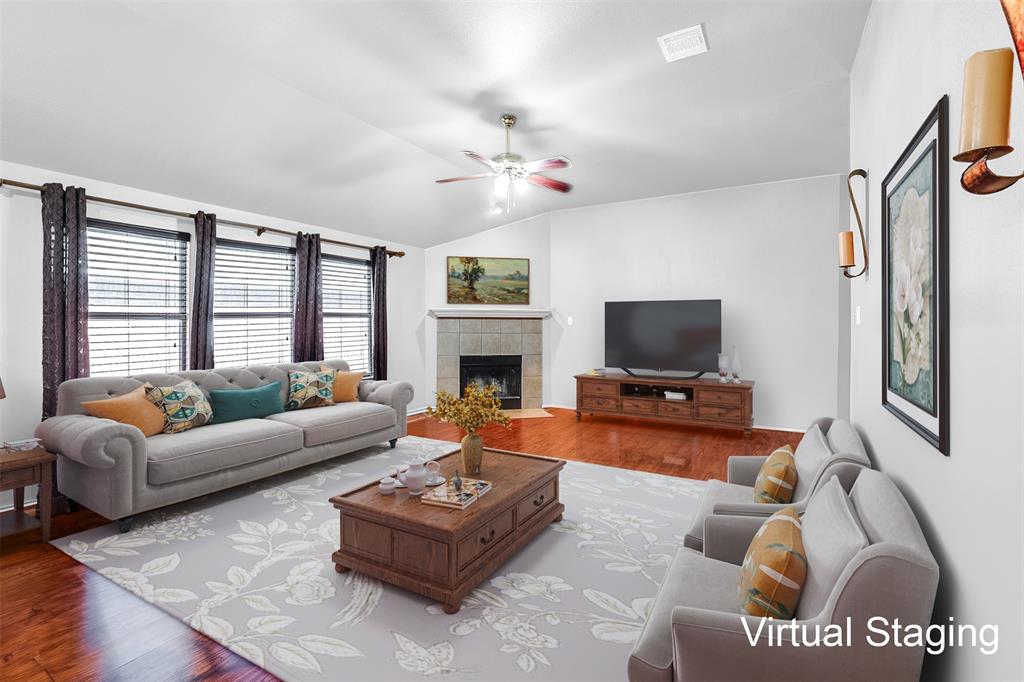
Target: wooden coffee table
(444, 553)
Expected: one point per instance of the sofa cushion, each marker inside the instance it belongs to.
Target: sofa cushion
(811, 454)
(691, 580)
(230, 405)
(346, 385)
(777, 478)
(832, 536)
(309, 389)
(715, 492)
(338, 422)
(184, 406)
(774, 567)
(131, 408)
(843, 438)
(196, 452)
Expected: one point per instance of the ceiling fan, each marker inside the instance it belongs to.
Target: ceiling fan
(510, 170)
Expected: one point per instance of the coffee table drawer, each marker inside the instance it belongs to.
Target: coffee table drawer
(536, 501)
(484, 537)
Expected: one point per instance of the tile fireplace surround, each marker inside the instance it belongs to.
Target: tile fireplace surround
(491, 336)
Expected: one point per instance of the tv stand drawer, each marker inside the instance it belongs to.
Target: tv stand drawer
(719, 396)
(595, 387)
(635, 405)
(719, 413)
(599, 403)
(679, 408)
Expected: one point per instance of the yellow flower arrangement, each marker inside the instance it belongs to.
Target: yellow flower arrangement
(476, 410)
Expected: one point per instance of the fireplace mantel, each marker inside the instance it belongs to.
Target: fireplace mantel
(492, 312)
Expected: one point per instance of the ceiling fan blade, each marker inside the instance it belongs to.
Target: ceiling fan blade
(552, 163)
(549, 183)
(466, 177)
(481, 158)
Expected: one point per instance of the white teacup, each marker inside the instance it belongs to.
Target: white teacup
(387, 486)
(433, 472)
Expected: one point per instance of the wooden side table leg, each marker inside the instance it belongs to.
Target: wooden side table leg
(19, 500)
(45, 500)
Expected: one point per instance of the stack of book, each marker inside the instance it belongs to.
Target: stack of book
(673, 395)
(446, 495)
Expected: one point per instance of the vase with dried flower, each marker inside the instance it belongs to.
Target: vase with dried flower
(476, 409)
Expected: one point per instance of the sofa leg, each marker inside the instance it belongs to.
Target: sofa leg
(124, 525)
(393, 443)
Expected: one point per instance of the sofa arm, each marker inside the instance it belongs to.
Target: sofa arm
(396, 394)
(743, 469)
(90, 441)
(726, 538)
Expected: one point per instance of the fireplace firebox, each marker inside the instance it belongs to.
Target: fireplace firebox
(504, 370)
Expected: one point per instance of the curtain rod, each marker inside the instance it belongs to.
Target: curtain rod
(260, 229)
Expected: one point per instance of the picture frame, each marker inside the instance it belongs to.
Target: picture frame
(479, 280)
(915, 282)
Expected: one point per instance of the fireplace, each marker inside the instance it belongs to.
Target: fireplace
(504, 370)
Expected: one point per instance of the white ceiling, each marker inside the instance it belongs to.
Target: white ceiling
(343, 114)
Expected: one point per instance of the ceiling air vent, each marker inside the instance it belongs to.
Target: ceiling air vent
(683, 44)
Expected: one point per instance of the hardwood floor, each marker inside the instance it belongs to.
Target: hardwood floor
(62, 621)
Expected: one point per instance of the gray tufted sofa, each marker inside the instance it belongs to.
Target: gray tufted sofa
(114, 470)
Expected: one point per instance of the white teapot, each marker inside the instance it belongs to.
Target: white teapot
(415, 477)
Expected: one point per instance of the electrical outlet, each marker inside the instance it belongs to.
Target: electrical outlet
(856, 315)
(568, 320)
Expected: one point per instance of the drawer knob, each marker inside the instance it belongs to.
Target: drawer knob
(538, 501)
(485, 540)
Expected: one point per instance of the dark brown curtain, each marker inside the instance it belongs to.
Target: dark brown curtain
(65, 290)
(200, 337)
(379, 282)
(308, 321)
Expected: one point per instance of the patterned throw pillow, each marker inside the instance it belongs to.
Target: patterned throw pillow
(310, 389)
(774, 568)
(777, 479)
(184, 406)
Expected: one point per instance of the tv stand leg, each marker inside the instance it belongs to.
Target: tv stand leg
(578, 415)
(748, 432)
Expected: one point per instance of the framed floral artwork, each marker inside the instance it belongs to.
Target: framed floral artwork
(915, 283)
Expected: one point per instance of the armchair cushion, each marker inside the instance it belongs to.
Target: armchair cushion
(777, 478)
(716, 491)
(832, 537)
(811, 454)
(743, 469)
(692, 580)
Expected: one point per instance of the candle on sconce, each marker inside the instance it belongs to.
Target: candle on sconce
(985, 121)
(846, 250)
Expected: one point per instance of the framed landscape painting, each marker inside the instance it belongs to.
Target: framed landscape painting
(489, 280)
(915, 283)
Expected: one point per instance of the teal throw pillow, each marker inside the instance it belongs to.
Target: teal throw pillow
(232, 404)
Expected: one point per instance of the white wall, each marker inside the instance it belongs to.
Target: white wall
(767, 250)
(21, 283)
(970, 503)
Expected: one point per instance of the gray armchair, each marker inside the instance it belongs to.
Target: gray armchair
(839, 451)
(696, 630)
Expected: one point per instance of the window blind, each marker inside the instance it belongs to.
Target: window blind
(254, 286)
(138, 299)
(348, 311)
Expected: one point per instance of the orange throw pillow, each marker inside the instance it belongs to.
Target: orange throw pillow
(131, 408)
(346, 385)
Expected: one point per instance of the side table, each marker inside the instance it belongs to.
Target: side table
(17, 470)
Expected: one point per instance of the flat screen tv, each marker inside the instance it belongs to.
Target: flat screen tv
(663, 335)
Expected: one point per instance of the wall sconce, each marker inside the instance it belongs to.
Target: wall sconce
(846, 257)
(985, 116)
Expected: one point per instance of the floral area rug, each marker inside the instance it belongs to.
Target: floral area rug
(251, 568)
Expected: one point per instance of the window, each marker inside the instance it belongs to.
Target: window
(138, 298)
(348, 311)
(252, 304)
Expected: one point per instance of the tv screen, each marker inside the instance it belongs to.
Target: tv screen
(663, 335)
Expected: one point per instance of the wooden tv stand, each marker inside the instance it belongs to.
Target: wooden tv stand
(708, 403)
